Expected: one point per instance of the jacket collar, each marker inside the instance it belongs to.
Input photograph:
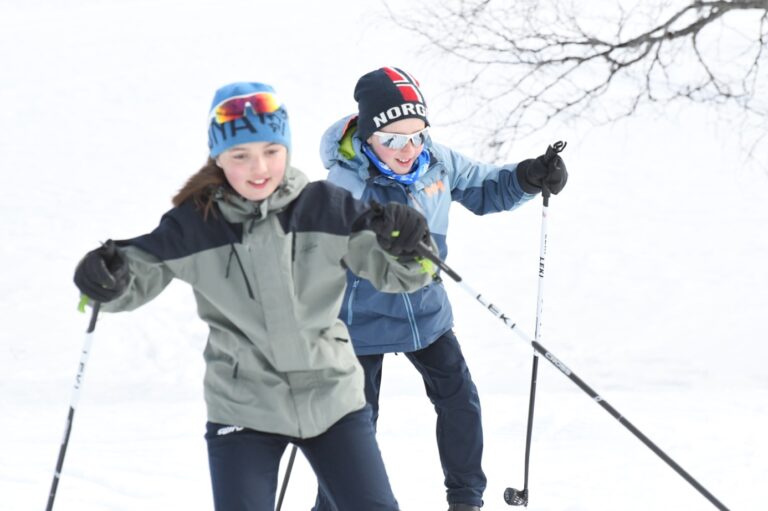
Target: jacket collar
(238, 209)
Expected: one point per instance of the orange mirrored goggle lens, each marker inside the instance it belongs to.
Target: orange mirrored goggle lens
(234, 107)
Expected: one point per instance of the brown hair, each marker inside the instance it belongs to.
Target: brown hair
(201, 185)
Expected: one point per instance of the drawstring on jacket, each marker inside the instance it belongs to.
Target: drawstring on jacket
(233, 252)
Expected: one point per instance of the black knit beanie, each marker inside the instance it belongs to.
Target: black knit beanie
(387, 95)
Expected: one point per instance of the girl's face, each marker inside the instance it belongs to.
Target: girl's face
(399, 160)
(254, 169)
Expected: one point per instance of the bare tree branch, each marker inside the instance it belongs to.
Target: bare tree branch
(529, 62)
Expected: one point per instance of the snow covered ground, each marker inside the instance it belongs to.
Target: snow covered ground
(656, 291)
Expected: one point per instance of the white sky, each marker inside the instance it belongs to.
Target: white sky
(656, 289)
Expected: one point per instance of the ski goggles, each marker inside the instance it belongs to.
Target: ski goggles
(235, 107)
(399, 140)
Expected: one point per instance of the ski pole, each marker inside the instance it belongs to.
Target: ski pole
(286, 478)
(425, 251)
(73, 403)
(512, 496)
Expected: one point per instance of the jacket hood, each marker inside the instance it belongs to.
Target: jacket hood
(341, 146)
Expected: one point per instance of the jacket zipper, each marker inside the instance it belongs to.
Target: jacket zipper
(350, 300)
(416, 204)
(412, 321)
(406, 297)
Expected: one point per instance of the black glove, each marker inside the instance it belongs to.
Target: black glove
(399, 228)
(102, 274)
(545, 171)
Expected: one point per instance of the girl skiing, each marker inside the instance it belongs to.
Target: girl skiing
(266, 253)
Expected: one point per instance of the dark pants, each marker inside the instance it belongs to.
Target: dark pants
(459, 429)
(346, 460)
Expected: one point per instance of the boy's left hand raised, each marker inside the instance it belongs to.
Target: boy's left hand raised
(545, 171)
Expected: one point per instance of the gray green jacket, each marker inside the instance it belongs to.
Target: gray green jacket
(269, 278)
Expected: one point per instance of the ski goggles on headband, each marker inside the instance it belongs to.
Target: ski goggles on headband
(235, 107)
(400, 140)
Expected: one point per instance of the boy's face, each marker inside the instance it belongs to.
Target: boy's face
(254, 169)
(399, 160)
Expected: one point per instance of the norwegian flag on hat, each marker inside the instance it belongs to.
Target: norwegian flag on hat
(406, 83)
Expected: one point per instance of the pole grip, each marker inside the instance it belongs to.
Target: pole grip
(549, 155)
(425, 251)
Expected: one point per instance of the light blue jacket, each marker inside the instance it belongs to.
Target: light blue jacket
(402, 322)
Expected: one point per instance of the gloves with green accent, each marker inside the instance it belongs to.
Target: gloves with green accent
(399, 228)
(102, 274)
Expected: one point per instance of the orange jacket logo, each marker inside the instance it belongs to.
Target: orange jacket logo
(434, 188)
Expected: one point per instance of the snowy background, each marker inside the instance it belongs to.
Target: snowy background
(656, 290)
